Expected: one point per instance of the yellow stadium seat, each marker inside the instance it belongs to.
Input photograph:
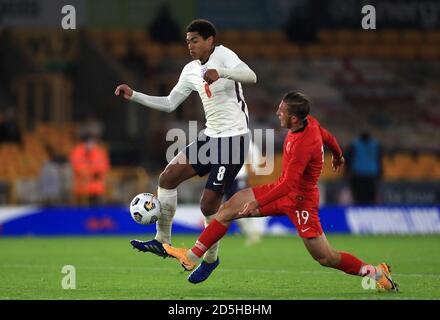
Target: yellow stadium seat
(390, 170)
(433, 38)
(269, 52)
(326, 36)
(412, 37)
(290, 51)
(313, 51)
(428, 52)
(327, 171)
(406, 52)
(344, 36)
(368, 37)
(175, 51)
(338, 51)
(154, 51)
(426, 164)
(390, 37)
(119, 50)
(138, 36)
(435, 174)
(384, 52)
(230, 37)
(254, 37)
(246, 50)
(361, 50)
(399, 166)
(275, 37)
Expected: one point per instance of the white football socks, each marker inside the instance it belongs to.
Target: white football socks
(168, 203)
(211, 254)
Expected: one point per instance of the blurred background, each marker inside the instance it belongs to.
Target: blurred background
(377, 91)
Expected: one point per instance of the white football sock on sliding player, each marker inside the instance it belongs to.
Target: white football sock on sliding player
(211, 254)
(168, 204)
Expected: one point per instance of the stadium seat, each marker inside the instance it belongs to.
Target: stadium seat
(384, 52)
(289, 51)
(426, 164)
(361, 50)
(344, 37)
(326, 36)
(138, 36)
(313, 51)
(339, 51)
(433, 38)
(230, 37)
(367, 37)
(154, 50)
(406, 52)
(246, 50)
(435, 174)
(404, 163)
(390, 37)
(327, 173)
(119, 50)
(269, 52)
(429, 52)
(255, 37)
(175, 51)
(274, 38)
(412, 38)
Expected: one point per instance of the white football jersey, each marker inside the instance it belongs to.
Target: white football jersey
(225, 108)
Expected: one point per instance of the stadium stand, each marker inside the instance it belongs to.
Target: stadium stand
(346, 72)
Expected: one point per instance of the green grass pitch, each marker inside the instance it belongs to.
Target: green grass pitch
(276, 268)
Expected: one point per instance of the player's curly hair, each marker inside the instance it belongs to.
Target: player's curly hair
(297, 104)
(203, 27)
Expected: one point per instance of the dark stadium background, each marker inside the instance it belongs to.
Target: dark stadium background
(56, 83)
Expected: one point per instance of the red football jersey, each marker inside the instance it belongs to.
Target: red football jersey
(303, 157)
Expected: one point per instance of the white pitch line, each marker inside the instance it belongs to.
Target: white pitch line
(32, 266)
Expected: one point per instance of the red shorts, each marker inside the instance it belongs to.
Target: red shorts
(303, 213)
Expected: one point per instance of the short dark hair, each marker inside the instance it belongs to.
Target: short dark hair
(297, 104)
(203, 27)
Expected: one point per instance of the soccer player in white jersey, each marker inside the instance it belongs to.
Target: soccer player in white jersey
(216, 73)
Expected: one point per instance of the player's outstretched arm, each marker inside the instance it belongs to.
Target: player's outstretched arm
(167, 104)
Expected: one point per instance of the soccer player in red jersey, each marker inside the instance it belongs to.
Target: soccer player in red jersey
(294, 194)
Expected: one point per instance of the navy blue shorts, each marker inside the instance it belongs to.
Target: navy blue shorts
(221, 158)
(237, 185)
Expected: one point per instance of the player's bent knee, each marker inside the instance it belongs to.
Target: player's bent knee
(208, 208)
(225, 214)
(167, 179)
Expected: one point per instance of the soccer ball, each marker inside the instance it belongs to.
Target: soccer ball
(145, 208)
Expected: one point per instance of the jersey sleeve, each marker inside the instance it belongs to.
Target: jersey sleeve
(294, 171)
(230, 59)
(327, 138)
(330, 141)
(184, 85)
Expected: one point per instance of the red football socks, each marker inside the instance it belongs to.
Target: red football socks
(213, 233)
(350, 264)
